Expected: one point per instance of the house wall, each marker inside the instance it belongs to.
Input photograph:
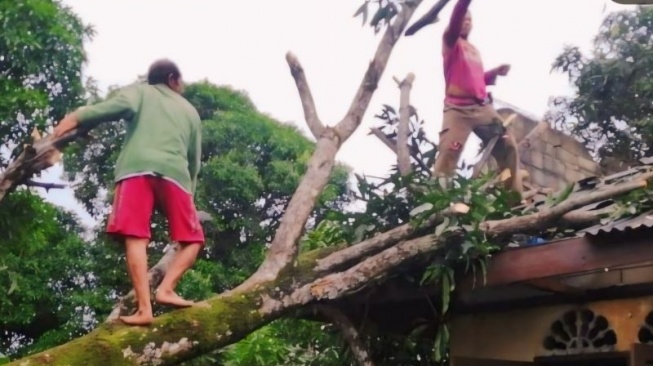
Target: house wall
(551, 158)
(519, 335)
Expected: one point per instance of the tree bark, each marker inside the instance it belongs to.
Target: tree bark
(284, 246)
(42, 154)
(227, 318)
(403, 130)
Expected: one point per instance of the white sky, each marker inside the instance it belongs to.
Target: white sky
(243, 44)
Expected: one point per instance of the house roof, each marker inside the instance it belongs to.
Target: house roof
(614, 213)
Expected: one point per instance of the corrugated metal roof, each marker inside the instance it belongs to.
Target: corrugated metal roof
(626, 220)
(633, 222)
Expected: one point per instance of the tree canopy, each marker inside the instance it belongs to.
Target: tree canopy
(611, 111)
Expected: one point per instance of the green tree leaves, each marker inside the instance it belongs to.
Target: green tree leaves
(611, 111)
(41, 54)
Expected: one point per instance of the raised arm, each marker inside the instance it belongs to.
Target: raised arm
(452, 32)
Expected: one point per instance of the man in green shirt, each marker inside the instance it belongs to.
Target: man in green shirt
(158, 165)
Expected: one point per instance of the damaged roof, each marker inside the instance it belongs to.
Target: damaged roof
(615, 214)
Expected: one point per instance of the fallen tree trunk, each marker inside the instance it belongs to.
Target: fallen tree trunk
(227, 318)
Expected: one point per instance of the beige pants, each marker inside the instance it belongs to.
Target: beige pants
(457, 123)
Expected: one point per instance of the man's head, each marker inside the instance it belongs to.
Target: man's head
(165, 72)
(467, 25)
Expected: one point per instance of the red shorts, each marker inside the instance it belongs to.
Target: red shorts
(135, 199)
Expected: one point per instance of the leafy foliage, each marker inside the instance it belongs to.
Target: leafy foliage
(290, 342)
(41, 54)
(45, 289)
(46, 286)
(384, 13)
(611, 111)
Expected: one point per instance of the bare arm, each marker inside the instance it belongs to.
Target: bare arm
(455, 26)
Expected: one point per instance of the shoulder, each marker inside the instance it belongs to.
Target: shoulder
(191, 110)
(133, 89)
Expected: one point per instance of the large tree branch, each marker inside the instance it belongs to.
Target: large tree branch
(547, 217)
(283, 249)
(284, 246)
(225, 319)
(383, 241)
(370, 81)
(403, 130)
(310, 112)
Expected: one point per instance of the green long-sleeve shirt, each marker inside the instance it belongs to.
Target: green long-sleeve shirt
(164, 132)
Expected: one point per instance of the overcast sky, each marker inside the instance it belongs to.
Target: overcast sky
(243, 44)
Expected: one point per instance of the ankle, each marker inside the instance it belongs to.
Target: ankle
(164, 290)
(144, 309)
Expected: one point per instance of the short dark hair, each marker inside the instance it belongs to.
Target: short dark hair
(161, 70)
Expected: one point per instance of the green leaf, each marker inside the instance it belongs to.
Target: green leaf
(437, 347)
(14, 283)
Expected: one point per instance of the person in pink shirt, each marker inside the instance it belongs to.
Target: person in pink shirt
(467, 106)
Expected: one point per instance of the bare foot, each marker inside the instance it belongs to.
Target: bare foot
(140, 318)
(170, 298)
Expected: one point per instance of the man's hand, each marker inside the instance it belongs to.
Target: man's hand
(67, 124)
(503, 70)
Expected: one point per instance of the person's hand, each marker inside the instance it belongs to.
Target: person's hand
(67, 124)
(503, 69)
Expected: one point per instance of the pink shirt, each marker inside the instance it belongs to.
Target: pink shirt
(465, 80)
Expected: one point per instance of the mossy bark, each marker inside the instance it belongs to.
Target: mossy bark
(172, 338)
(182, 334)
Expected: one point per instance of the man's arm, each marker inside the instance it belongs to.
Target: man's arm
(195, 155)
(490, 77)
(452, 32)
(123, 105)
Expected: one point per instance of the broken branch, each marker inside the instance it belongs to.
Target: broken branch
(44, 153)
(545, 217)
(403, 154)
(46, 186)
